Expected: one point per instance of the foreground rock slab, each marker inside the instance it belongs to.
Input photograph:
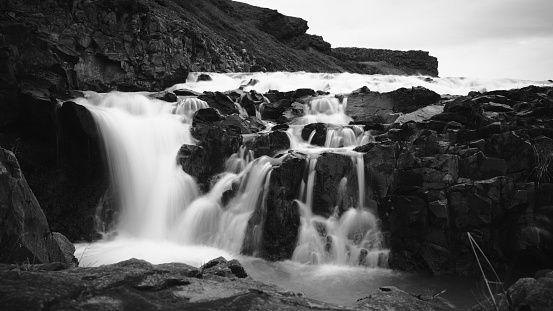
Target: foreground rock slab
(138, 285)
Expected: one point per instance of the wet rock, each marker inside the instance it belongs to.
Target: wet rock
(165, 96)
(195, 162)
(270, 144)
(478, 167)
(250, 101)
(186, 92)
(280, 232)
(219, 101)
(203, 77)
(207, 115)
(274, 110)
(25, 235)
(329, 171)
(247, 125)
(319, 137)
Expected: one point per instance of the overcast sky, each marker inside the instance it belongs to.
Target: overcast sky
(470, 38)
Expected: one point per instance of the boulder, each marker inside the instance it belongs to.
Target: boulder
(318, 137)
(25, 235)
(270, 144)
(366, 106)
(219, 101)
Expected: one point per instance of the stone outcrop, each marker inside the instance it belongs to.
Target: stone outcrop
(25, 237)
(137, 284)
(370, 61)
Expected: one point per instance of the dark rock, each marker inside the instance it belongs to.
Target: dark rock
(185, 92)
(299, 93)
(195, 162)
(203, 77)
(165, 96)
(217, 142)
(364, 107)
(274, 110)
(219, 101)
(250, 101)
(467, 108)
(25, 234)
(329, 171)
(207, 115)
(408, 62)
(270, 144)
(315, 131)
(280, 232)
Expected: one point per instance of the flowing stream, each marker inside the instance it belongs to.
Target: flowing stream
(163, 217)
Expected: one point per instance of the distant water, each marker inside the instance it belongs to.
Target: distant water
(340, 83)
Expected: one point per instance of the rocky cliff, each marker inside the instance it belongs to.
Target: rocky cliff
(51, 46)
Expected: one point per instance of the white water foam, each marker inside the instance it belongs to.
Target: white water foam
(341, 83)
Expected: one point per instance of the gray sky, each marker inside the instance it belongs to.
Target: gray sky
(470, 38)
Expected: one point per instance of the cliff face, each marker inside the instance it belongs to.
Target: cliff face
(371, 61)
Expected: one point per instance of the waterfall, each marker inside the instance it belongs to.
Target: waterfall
(352, 238)
(141, 138)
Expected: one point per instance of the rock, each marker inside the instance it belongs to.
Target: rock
(270, 144)
(409, 62)
(203, 77)
(469, 112)
(329, 171)
(478, 167)
(363, 107)
(186, 92)
(219, 101)
(250, 101)
(392, 298)
(138, 284)
(280, 232)
(165, 96)
(207, 115)
(217, 142)
(25, 235)
(319, 135)
(195, 161)
(274, 110)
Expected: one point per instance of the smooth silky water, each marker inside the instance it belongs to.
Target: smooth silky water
(163, 217)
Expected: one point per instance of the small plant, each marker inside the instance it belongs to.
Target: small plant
(543, 155)
(475, 247)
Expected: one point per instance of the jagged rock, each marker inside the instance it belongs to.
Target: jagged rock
(516, 149)
(409, 62)
(250, 101)
(25, 235)
(217, 143)
(219, 101)
(478, 167)
(274, 110)
(270, 144)
(466, 112)
(246, 125)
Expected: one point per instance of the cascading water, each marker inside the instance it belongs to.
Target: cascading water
(163, 217)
